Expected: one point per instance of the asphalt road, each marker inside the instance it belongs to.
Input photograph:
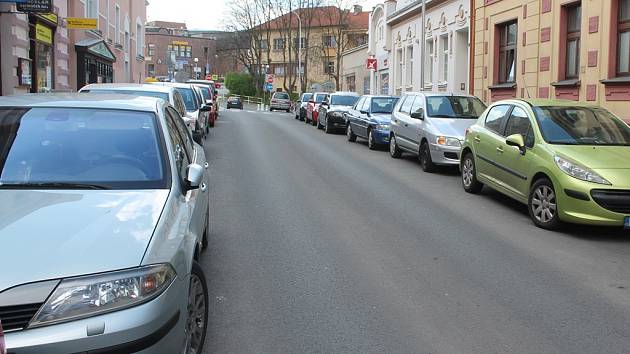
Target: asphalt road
(323, 246)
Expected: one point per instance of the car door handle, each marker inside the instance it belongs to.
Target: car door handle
(203, 187)
(406, 125)
(477, 139)
(499, 149)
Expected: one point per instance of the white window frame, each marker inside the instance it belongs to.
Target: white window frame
(107, 20)
(117, 24)
(139, 38)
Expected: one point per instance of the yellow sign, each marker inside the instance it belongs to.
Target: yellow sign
(179, 42)
(50, 17)
(215, 77)
(81, 23)
(43, 33)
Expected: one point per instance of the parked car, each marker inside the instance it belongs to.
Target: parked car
(167, 93)
(568, 161)
(300, 106)
(234, 102)
(370, 119)
(280, 101)
(432, 126)
(196, 109)
(312, 108)
(215, 93)
(210, 101)
(331, 111)
(113, 192)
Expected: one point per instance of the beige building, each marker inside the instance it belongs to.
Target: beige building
(355, 75)
(575, 50)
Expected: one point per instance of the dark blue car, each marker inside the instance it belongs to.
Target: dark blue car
(370, 119)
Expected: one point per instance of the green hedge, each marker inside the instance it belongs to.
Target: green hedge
(240, 84)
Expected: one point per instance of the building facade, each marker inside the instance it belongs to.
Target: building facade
(575, 50)
(175, 53)
(379, 47)
(356, 76)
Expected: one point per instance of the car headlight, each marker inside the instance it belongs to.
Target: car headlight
(86, 296)
(447, 141)
(381, 127)
(579, 172)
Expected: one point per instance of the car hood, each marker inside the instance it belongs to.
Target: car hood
(56, 234)
(453, 127)
(382, 118)
(596, 157)
(336, 108)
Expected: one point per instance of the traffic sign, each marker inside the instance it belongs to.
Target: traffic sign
(269, 87)
(371, 64)
(269, 78)
(215, 77)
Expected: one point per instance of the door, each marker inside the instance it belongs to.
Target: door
(487, 140)
(416, 126)
(515, 173)
(404, 134)
(353, 114)
(363, 122)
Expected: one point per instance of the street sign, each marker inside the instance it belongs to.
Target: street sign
(215, 77)
(208, 77)
(81, 23)
(269, 87)
(371, 64)
(269, 78)
(35, 6)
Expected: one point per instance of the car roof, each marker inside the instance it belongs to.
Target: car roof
(130, 87)
(345, 93)
(540, 102)
(433, 93)
(204, 82)
(381, 96)
(83, 100)
(173, 84)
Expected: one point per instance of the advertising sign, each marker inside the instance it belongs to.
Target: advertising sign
(24, 72)
(43, 33)
(81, 23)
(34, 6)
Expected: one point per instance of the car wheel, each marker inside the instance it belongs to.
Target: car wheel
(469, 175)
(425, 158)
(328, 129)
(394, 150)
(371, 143)
(197, 320)
(319, 126)
(351, 137)
(543, 205)
(314, 123)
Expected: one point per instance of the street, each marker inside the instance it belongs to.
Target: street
(320, 245)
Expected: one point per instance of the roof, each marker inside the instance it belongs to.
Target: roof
(538, 102)
(431, 93)
(134, 87)
(82, 100)
(172, 84)
(321, 17)
(345, 93)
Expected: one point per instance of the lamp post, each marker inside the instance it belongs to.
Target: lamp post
(196, 60)
(299, 51)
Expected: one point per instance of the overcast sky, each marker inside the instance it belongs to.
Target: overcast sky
(203, 14)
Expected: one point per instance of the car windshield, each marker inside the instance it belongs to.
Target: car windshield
(319, 98)
(79, 148)
(383, 104)
(454, 107)
(189, 98)
(306, 97)
(281, 96)
(343, 100)
(581, 126)
(205, 93)
(162, 95)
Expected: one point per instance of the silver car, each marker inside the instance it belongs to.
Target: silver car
(432, 126)
(280, 101)
(196, 108)
(104, 206)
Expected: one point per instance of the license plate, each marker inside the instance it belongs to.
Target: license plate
(626, 223)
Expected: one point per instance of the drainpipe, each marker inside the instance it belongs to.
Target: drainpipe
(422, 44)
(471, 68)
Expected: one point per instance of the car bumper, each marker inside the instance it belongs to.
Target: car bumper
(154, 327)
(578, 202)
(445, 155)
(280, 106)
(336, 121)
(381, 137)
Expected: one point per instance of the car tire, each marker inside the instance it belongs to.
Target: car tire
(424, 155)
(371, 142)
(543, 205)
(351, 137)
(394, 150)
(328, 129)
(319, 126)
(314, 123)
(197, 316)
(469, 175)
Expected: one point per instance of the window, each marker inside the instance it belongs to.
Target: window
(182, 159)
(444, 57)
(428, 68)
(454, 107)
(366, 85)
(296, 42)
(365, 105)
(329, 67)
(263, 44)
(329, 41)
(623, 40)
(139, 39)
(507, 52)
(91, 8)
(107, 22)
(409, 78)
(405, 107)
(401, 65)
(574, 20)
(278, 70)
(117, 25)
(416, 105)
(496, 117)
(519, 123)
(151, 70)
(359, 103)
(278, 43)
(151, 51)
(188, 52)
(351, 83)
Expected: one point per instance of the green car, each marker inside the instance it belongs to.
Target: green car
(568, 161)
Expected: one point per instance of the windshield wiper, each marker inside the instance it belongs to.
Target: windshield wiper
(441, 116)
(51, 185)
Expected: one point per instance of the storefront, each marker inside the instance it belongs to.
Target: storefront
(42, 33)
(94, 62)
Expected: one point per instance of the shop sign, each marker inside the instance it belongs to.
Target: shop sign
(52, 18)
(179, 43)
(35, 6)
(81, 23)
(24, 72)
(43, 33)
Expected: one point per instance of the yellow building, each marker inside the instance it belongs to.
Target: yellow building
(565, 49)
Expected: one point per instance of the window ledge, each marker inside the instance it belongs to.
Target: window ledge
(118, 46)
(507, 85)
(96, 33)
(567, 83)
(622, 80)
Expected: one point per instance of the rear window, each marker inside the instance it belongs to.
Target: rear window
(80, 148)
(340, 100)
(306, 97)
(383, 104)
(162, 95)
(281, 96)
(319, 98)
(454, 107)
(189, 98)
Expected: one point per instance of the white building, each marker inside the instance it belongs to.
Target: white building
(396, 42)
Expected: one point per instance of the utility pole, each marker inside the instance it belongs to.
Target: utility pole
(299, 52)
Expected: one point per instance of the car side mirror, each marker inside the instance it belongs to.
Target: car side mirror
(194, 176)
(517, 141)
(311, 101)
(418, 114)
(205, 108)
(365, 112)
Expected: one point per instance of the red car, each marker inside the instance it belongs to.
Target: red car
(313, 107)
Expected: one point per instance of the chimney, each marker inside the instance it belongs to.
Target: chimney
(357, 9)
